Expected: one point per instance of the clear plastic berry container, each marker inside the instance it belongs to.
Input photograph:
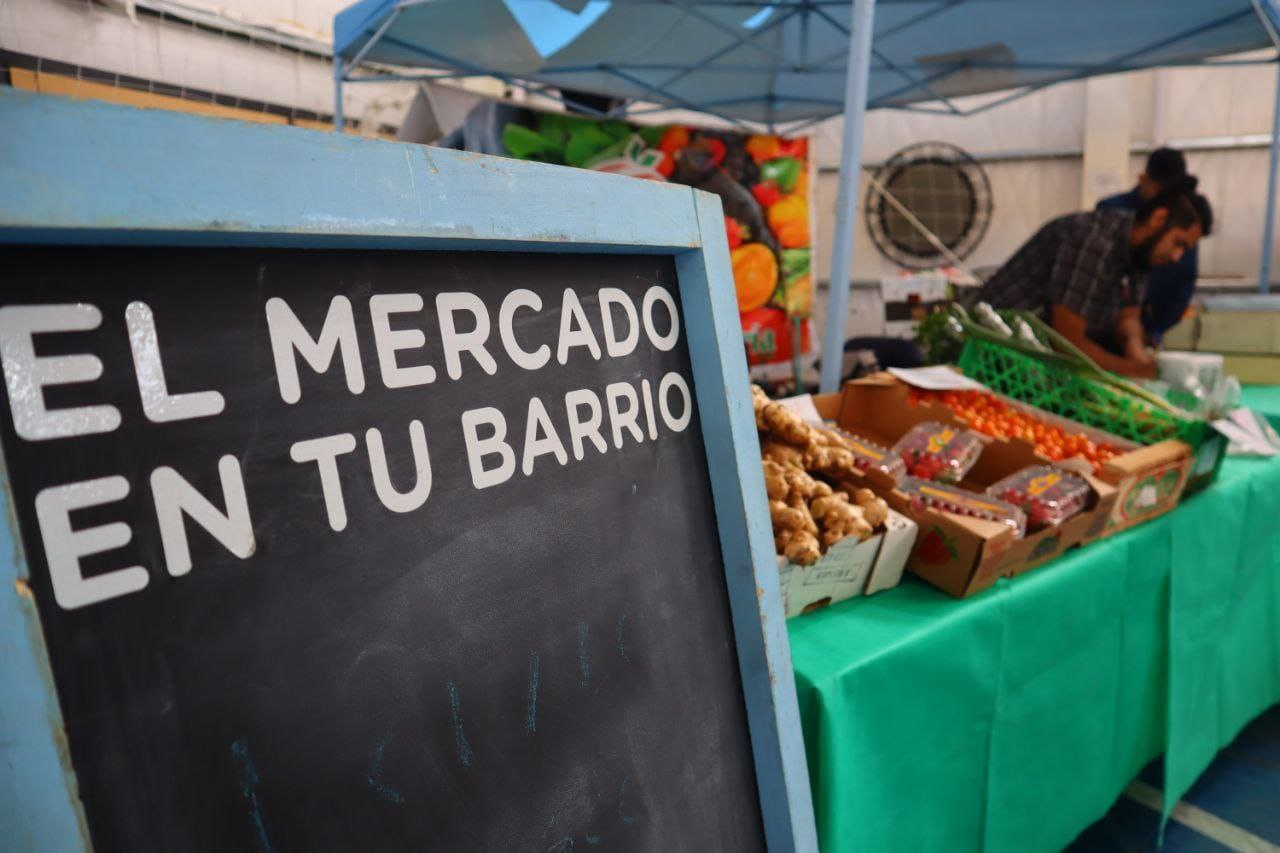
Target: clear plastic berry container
(926, 493)
(1048, 495)
(934, 451)
(867, 455)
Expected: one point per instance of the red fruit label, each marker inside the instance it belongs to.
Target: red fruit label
(935, 548)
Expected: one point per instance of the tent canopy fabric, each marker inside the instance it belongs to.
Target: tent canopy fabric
(776, 61)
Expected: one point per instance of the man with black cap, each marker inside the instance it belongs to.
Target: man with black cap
(1170, 287)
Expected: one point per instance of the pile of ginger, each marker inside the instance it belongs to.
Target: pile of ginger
(809, 516)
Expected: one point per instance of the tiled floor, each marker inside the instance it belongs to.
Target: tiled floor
(1235, 805)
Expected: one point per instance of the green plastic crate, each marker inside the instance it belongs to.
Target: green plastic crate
(1060, 390)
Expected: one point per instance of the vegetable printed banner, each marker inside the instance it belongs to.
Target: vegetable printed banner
(762, 181)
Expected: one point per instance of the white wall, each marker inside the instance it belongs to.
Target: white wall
(93, 35)
(1037, 171)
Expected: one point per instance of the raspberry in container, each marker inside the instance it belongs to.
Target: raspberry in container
(1046, 494)
(925, 493)
(868, 455)
(934, 451)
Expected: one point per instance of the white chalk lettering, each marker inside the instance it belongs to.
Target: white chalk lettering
(26, 374)
(616, 348)
(389, 341)
(391, 498)
(496, 444)
(63, 547)
(652, 297)
(628, 418)
(646, 393)
(579, 428)
(157, 403)
(288, 335)
(676, 381)
(454, 342)
(325, 452)
(575, 331)
(174, 497)
(520, 298)
(540, 438)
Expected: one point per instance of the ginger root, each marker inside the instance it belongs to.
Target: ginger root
(798, 546)
(759, 400)
(800, 483)
(841, 519)
(785, 425)
(795, 531)
(786, 517)
(807, 514)
(832, 461)
(803, 549)
(783, 454)
(874, 509)
(775, 480)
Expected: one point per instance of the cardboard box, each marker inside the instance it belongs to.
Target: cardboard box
(849, 569)
(899, 538)
(960, 554)
(1141, 476)
(1148, 482)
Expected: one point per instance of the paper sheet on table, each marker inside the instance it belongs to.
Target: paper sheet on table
(1249, 435)
(936, 378)
(803, 406)
(1257, 424)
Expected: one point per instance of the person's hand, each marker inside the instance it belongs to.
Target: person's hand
(1137, 353)
(1141, 369)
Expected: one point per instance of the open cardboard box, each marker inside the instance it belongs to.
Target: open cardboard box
(1148, 480)
(848, 569)
(960, 554)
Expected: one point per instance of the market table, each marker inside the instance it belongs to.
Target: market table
(1013, 719)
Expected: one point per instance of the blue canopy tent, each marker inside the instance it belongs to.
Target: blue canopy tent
(786, 63)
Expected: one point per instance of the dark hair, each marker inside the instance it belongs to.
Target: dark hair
(1178, 197)
(1205, 212)
(1166, 164)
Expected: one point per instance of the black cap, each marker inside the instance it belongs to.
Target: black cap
(1165, 164)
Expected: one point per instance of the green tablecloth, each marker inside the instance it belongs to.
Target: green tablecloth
(1011, 720)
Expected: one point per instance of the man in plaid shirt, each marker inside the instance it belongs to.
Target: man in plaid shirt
(1085, 274)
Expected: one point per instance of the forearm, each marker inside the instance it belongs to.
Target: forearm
(1071, 326)
(1105, 359)
(1131, 336)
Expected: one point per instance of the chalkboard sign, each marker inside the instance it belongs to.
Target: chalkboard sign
(451, 585)
(370, 542)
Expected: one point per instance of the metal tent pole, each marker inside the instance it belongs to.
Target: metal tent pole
(338, 72)
(1269, 219)
(855, 107)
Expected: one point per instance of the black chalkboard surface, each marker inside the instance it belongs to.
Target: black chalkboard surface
(542, 663)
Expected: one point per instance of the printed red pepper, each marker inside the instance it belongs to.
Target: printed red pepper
(767, 193)
(714, 146)
(733, 231)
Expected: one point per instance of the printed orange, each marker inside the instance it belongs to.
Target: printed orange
(755, 275)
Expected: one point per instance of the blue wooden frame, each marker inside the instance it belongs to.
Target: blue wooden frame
(75, 172)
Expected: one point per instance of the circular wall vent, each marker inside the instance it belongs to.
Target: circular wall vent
(944, 188)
